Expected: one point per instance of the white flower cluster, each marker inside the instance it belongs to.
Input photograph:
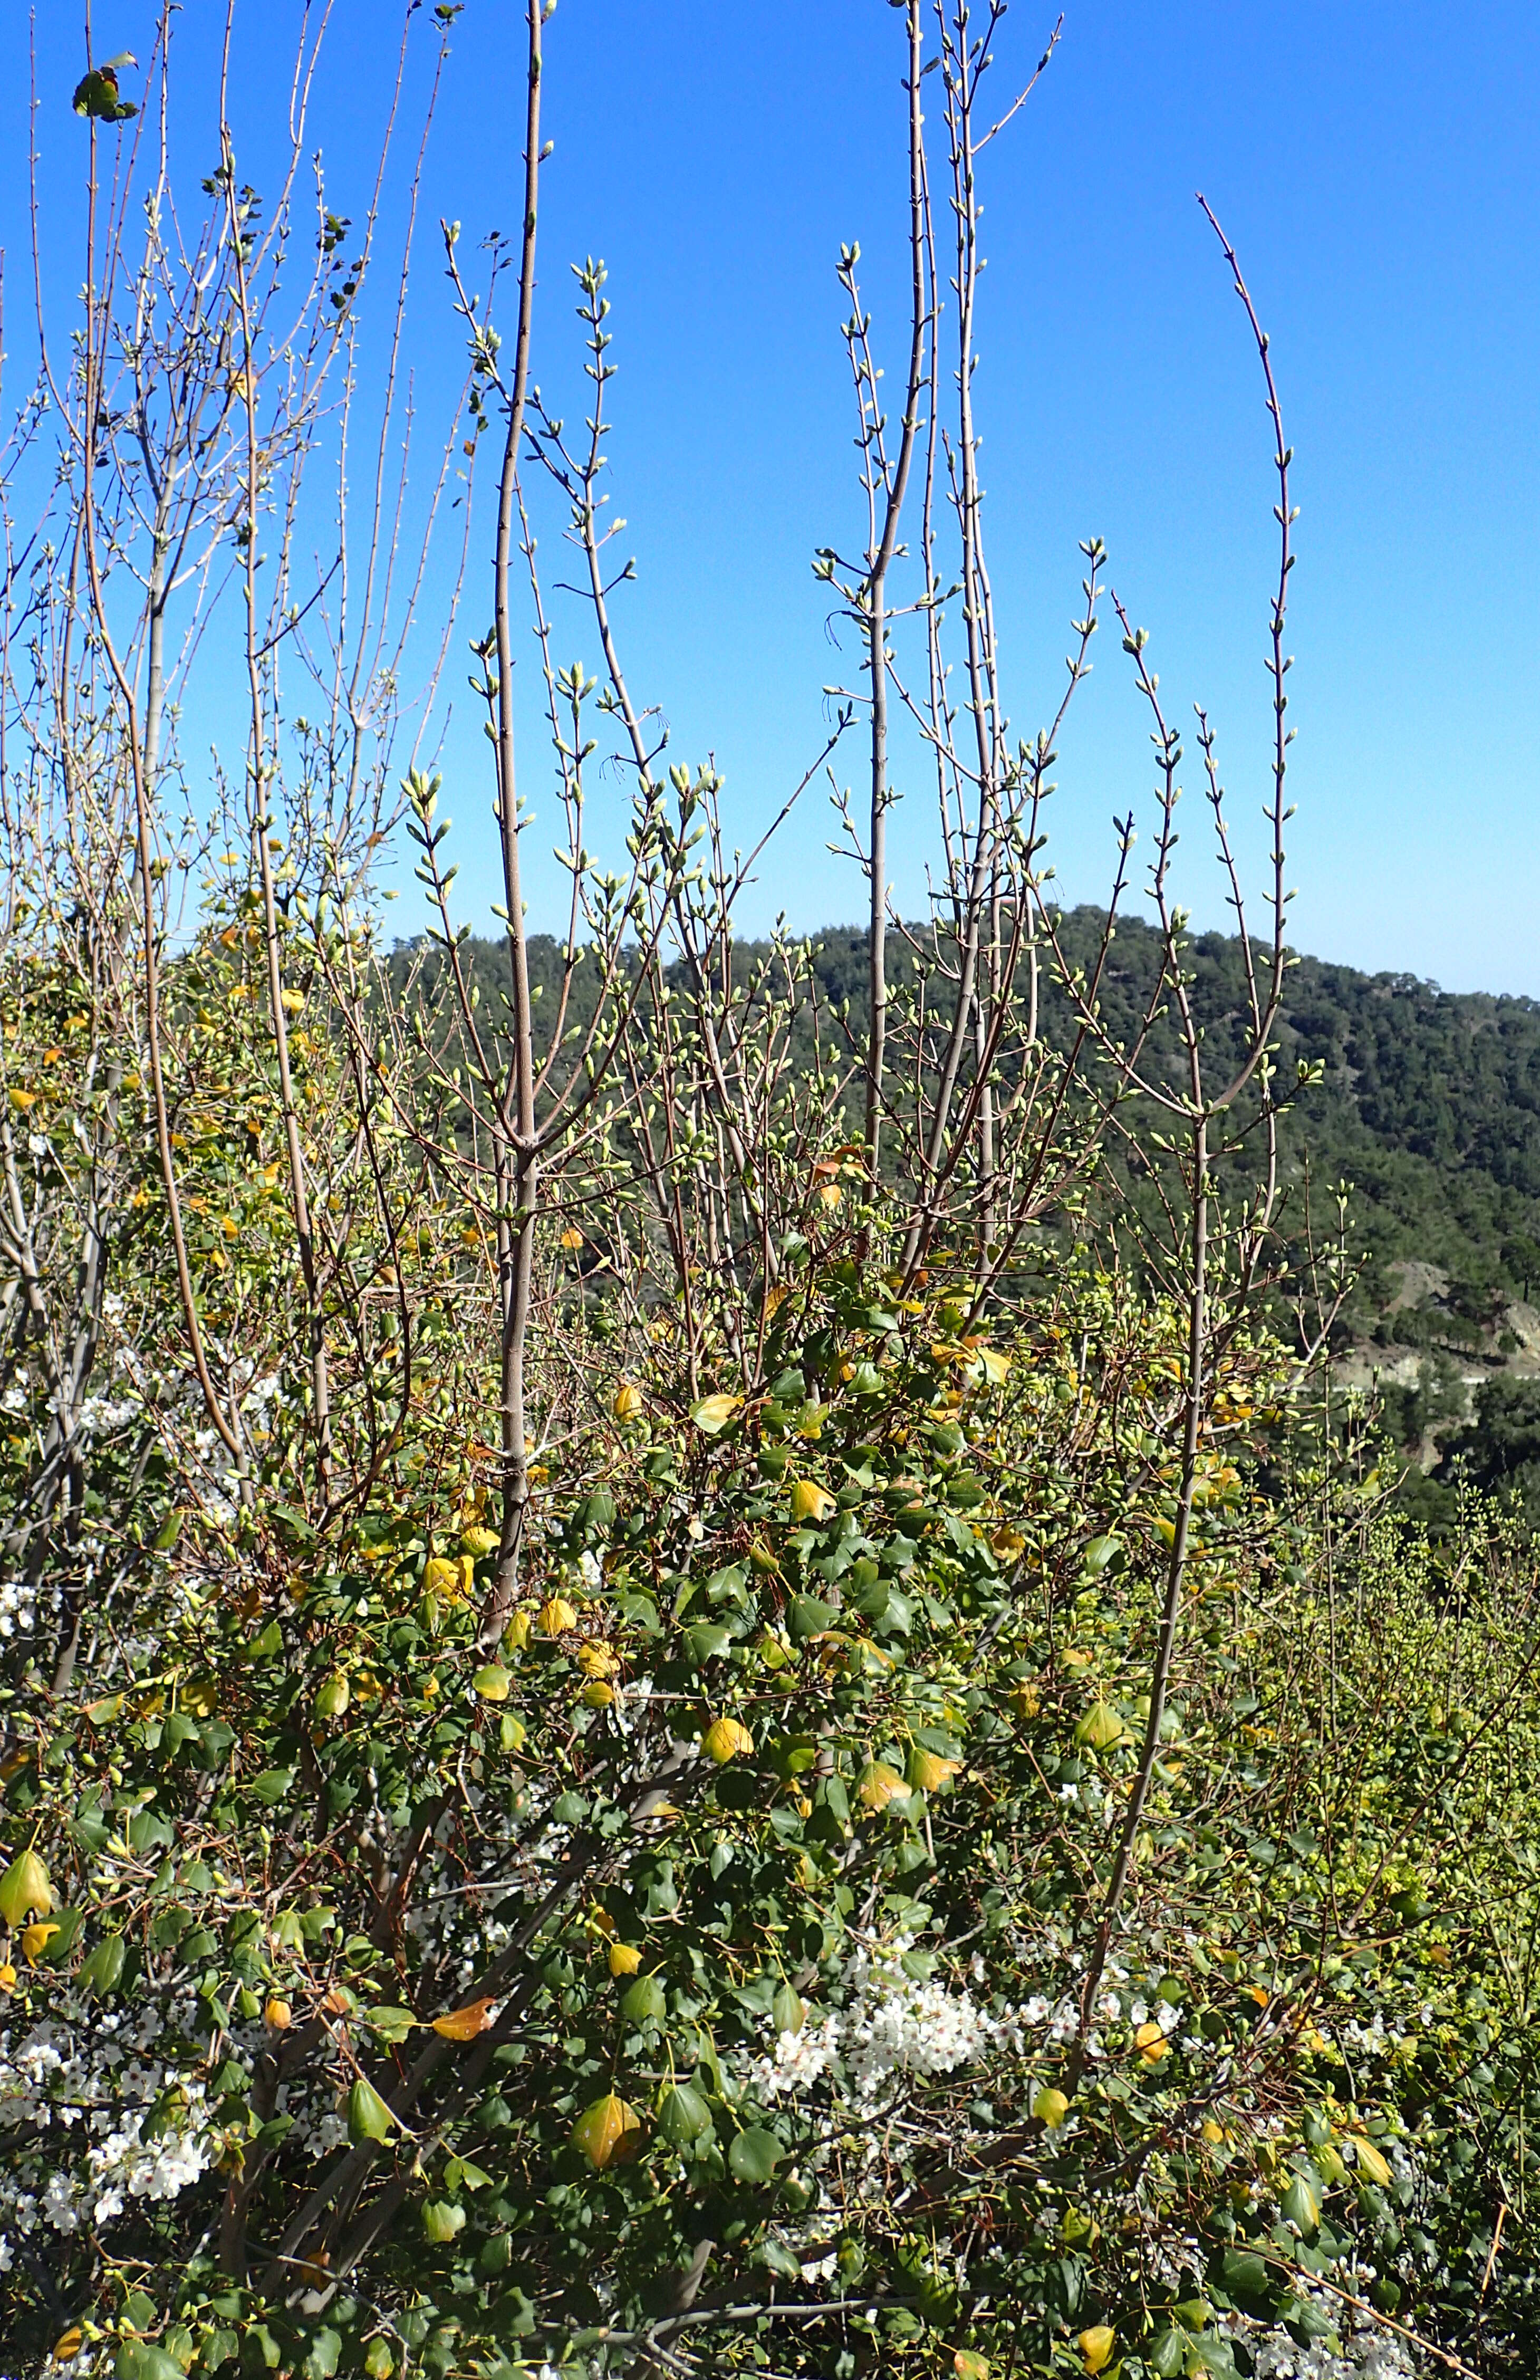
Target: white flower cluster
(18, 1605)
(893, 2025)
(100, 1415)
(99, 2118)
(1367, 2354)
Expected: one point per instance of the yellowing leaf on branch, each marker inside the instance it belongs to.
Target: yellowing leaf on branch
(24, 1890)
(608, 2132)
(369, 2118)
(1096, 2345)
(557, 1615)
(1100, 1728)
(880, 1785)
(332, 1697)
(713, 1413)
(627, 1405)
(1370, 2161)
(726, 1739)
(809, 1501)
(465, 2023)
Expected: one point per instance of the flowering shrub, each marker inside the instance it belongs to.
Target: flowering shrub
(638, 1734)
(710, 1966)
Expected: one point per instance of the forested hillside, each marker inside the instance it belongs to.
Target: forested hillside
(1428, 1106)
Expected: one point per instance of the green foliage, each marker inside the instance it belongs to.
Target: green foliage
(379, 1952)
(97, 95)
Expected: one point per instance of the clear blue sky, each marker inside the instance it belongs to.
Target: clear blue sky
(1376, 167)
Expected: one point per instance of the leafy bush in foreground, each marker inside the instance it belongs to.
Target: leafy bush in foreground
(710, 1971)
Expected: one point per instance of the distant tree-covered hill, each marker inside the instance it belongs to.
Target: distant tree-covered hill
(1429, 1104)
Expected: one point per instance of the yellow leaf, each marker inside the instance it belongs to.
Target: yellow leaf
(608, 2132)
(1370, 2161)
(491, 1682)
(1096, 2345)
(442, 1576)
(69, 2346)
(35, 1940)
(1101, 1728)
(333, 1696)
(25, 1888)
(880, 1785)
(1150, 2042)
(628, 1401)
(7, 1977)
(571, 1238)
(478, 1543)
(1050, 2108)
(997, 1367)
(1025, 1700)
(929, 1772)
(24, 1099)
(623, 1959)
(278, 2015)
(809, 1501)
(292, 1001)
(515, 1636)
(713, 1413)
(599, 1694)
(557, 1616)
(464, 2024)
(597, 1662)
(726, 1739)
